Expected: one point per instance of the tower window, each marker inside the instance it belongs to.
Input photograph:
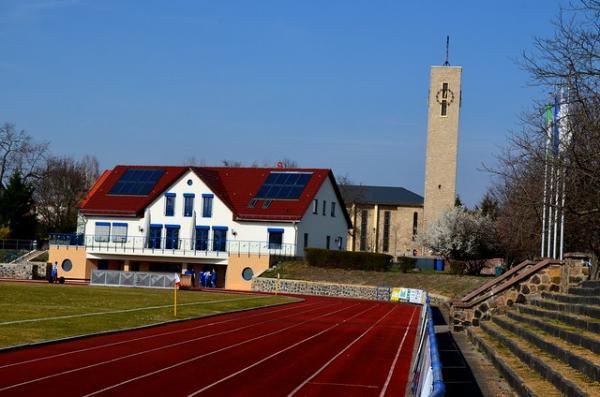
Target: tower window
(444, 101)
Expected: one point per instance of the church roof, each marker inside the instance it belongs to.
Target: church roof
(381, 195)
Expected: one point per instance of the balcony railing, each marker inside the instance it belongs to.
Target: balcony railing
(142, 245)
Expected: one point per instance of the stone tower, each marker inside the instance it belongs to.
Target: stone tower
(442, 141)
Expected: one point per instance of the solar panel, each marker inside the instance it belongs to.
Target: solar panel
(136, 182)
(283, 185)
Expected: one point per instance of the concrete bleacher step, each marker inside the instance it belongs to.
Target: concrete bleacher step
(518, 374)
(578, 321)
(565, 378)
(579, 358)
(591, 284)
(548, 303)
(583, 291)
(568, 298)
(569, 333)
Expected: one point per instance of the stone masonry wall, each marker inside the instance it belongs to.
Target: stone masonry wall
(23, 271)
(273, 285)
(553, 278)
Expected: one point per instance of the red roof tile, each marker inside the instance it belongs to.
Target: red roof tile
(235, 186)
(99, 202)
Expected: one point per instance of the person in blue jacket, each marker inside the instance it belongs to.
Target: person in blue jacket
(201, 279)
(213, 279)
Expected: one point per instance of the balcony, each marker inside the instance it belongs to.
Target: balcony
(171, 247)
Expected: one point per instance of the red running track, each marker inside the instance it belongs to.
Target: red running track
(321, 346)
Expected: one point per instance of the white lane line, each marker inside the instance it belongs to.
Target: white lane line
(276, 354)
(317, 372)
(137, 309)
(33, 360)
(213, 352)
(139, 353)
(393, 366)
(343, 385)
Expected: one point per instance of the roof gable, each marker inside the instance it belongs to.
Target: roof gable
(235, 187)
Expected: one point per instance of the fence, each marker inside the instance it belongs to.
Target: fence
(146, 245)
(19, 245)
(427, 376)
(115, 278)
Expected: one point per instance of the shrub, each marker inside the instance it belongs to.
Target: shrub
(347, 259)
(471, 267)
(406, 263)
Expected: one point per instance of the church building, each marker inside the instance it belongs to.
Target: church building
(388, 219)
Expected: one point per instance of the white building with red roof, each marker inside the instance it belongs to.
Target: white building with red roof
(237, 221)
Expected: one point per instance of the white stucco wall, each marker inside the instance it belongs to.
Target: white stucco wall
(319, 226)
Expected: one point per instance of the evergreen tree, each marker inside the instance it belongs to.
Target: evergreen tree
(17, 209)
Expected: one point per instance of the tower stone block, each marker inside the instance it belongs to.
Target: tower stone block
(442, 141)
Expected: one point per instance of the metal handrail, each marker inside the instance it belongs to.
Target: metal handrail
(182, 246)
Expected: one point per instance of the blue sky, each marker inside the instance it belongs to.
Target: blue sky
(335, 84)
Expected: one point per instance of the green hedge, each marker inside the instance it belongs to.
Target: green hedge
(407, 263)
(347, 259)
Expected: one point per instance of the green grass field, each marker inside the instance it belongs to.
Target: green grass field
(36, 312)
(449, 285)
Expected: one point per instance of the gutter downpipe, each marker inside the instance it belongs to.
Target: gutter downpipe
(296, 238)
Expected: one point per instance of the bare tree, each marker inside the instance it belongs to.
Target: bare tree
(570, 60)
(65, 182)
(232, 163)
(18, 151)
(192, 161)
(287, 162)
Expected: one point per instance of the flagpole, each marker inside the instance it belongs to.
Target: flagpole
(564, 129)
(556, 213)
(544, 205)
(562, 215)
(549, 239)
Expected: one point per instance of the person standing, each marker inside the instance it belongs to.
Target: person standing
(54, 272)
(213, 278)
(201, 279)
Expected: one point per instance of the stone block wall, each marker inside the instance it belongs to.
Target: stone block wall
(272, 285)
(553, 278)
(23, 271)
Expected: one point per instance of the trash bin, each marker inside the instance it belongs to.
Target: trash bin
(498, 271)
(438, 265)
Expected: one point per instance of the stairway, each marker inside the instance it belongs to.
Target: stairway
(549, 346)
(28, 256)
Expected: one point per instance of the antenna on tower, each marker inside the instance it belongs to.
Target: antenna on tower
(447, 47)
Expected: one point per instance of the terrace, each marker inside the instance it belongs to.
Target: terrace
(170, 247)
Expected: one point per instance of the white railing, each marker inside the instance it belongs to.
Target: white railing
(143, 245)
